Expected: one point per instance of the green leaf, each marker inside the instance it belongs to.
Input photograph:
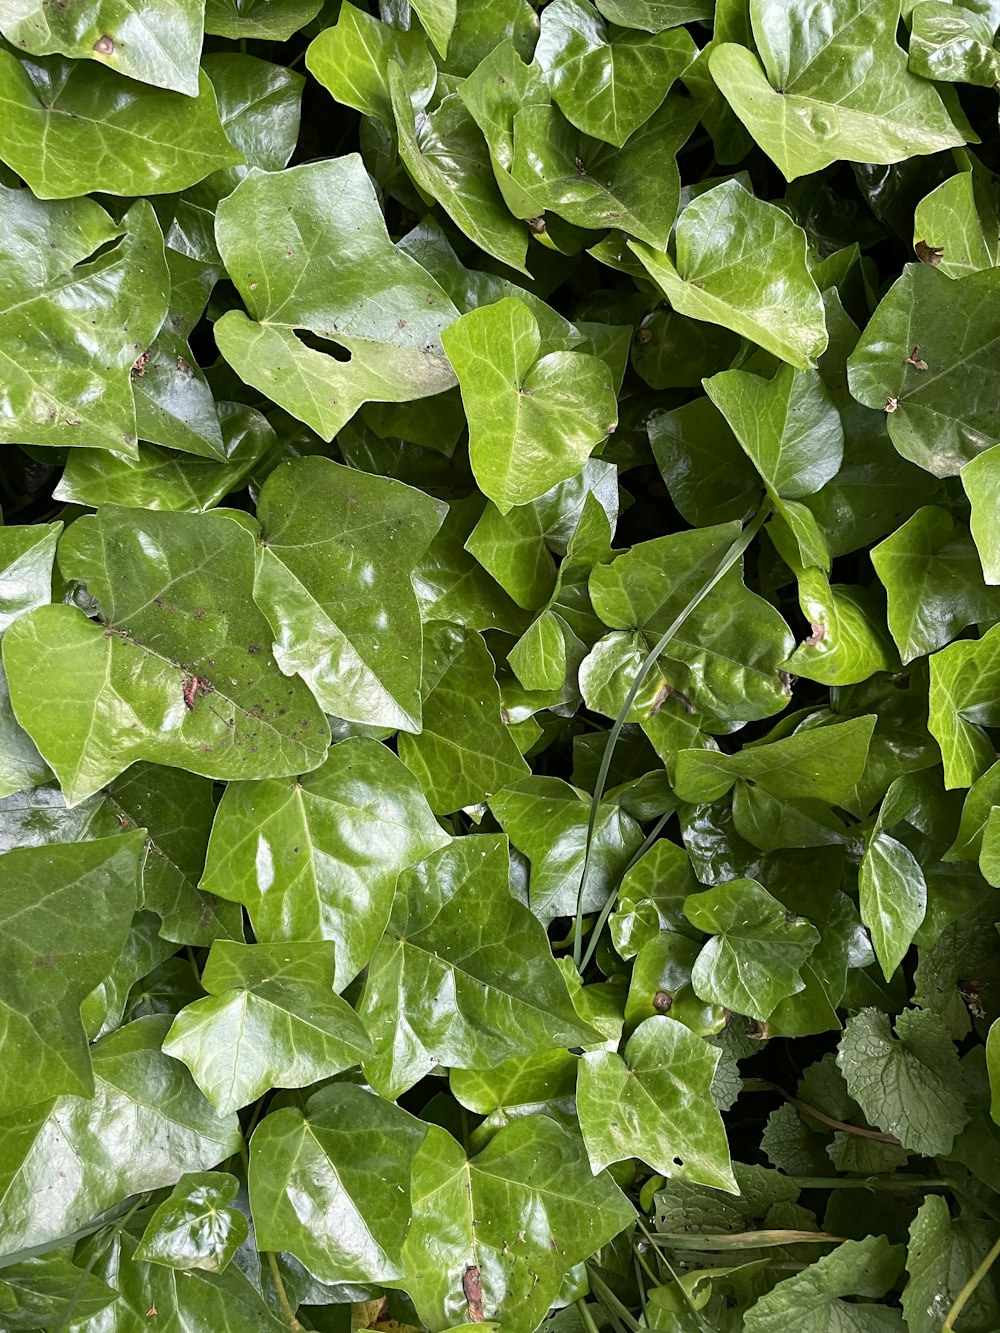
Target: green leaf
(524, 1085)
(66, 1161)
(270, 1019)
(606, 83)
(535, 415)
(71, 127)
(813, 1299)
(755, 956)
(302, 246)
(332, 1186)
(464, 975)
(654, 15)
(741, 263)
(893, 896)
(651, 897)
(465, 751)
(941, 1257)
(65, 913)
(706, 470)
(352, 60)
(317, 858)
(953, 44)
(180, 672)
(981, 480)
(465, 1234)
(47, 1291)
(817, 763)
(811, 98)
(547, 820)
(265, 20)
(788, 427)
(930, 338)
(963, 700)
(161, 44)
(196, 1228)
(118, 299)
(909, 1085)
(653, 1104)
(958, 222)
(360, 655)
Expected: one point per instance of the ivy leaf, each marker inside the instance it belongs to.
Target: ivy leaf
(933, 419)
(813, 1299)
(524, 1085)
(962, 702)
(654, 1104)
(332, 1186)
(741, 263)
(265, 20)
(465, 1239)
(456, 932)
(65, 913)
(465, 751)
(958, 220)
(953, 44)
(72, 127)
(270, 1019)
(51, 396)
(317, 858)
(66, 1161)
(893, 896)
(179, 673)
(981, 480)
(536, 416)
(45, 1291)
(909, 1085)
(755, 956)
(320, 522)
(352, 59)
(196, 1228)
(162, 43)
(654, 15)
(606, 83)
(303, 246)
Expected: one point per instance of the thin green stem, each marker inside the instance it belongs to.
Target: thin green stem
(609, 902)
(725, 565)
(283, 1301)
(586, 1318)
(880, 1183)
(967, 1292)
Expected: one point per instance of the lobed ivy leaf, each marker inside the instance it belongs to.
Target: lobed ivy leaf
(196, 1227)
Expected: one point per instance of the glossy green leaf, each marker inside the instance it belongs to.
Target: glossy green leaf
(654, 15)
(952, 44)
(465, 751)
(813, 97)
(755, 956)
(273, 20)
(66, 1161)
(606, 83)
(332, 1186)
(909, 1084)
(708, 474)
(662, 1111)
(524, 1085)
(963, 701)
(46, 1291)
(352, 59)
(926, 359)
(320, 522)
(302, 245)
(958, 223)
(651, 897)
(196, 1227)
(536, 415)
(270, 1019)
(82, 385)
(317, 858)
(465, 1234)
(893, 897)
(71, 127)
(981, 480)
(464, 975)
(722, 238)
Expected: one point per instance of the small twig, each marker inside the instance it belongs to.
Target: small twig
(762, 1085)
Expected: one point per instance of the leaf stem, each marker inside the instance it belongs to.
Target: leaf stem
(873, 1182)
(609, 902)
(586, 1318)
(763, 1085)
(725, 565)
(965, 1295)
(279, 1286)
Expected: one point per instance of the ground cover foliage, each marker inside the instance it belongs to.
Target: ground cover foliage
(500, 613)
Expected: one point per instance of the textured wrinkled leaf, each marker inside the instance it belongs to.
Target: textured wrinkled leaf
(332, 1186)
(909, 1085)
(270, 1019)
(816, 97)
(174, 591)
(953, 44)
(467, 1219)
(606, 83)
(463, 976)
(64, 915)
(303, 247)
(653, 1103)
(755, 956)
(328, 531)
(941, 1257)
(741, 263)
(66, 1161)
(536, 416)
(317, 858)
(72, 127)
(939, 417)
(195, 1228)
(465, 751)
(813, 1299)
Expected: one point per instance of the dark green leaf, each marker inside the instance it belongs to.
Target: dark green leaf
(196, 1228)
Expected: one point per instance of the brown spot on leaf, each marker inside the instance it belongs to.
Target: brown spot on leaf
(662, 1001)
(139, 369)
(816, 634)
(928, 254)
(105, 46)
(891, 404)
(472, 1286)
(914, 359)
